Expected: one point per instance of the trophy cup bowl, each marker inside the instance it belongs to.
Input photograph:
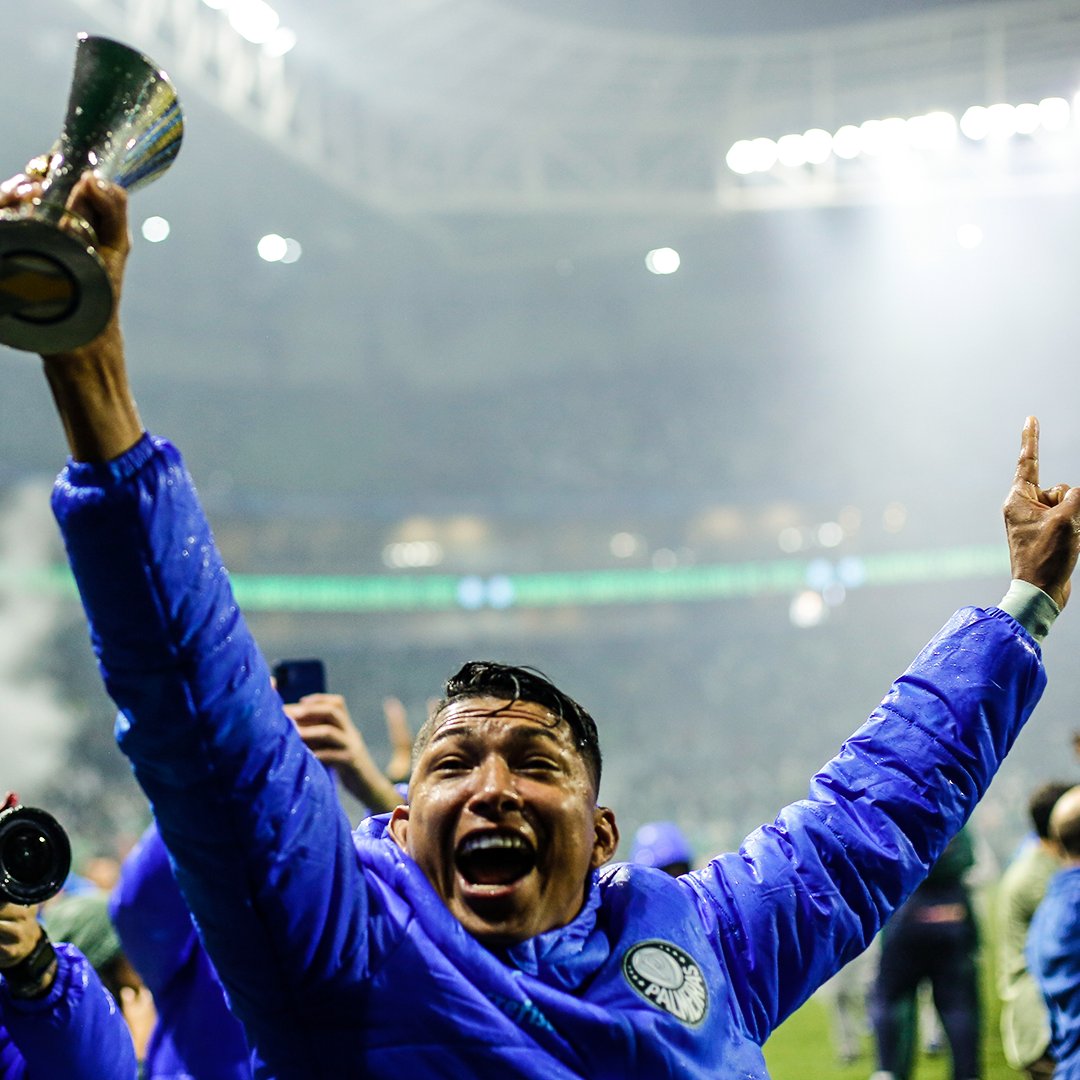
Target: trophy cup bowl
(124, 122)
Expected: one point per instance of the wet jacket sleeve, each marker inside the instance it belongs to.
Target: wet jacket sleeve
(261, 847)
(810, 891)
(76, 1031)
(150, 915)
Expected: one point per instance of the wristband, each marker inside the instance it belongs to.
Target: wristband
(27, 978)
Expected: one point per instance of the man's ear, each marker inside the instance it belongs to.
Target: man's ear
(607, 836)
(399, 826)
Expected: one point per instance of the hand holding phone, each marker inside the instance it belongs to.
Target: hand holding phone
(296, 679)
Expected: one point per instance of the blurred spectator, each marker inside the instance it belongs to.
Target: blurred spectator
(328, 731)
(56, 1020)
(932, 937)
(662, 844)
(1053, 945)
(195, 1034)
(844, 997)
(83, 920)
(1025, 1026)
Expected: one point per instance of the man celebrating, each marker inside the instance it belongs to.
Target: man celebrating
(472, 933)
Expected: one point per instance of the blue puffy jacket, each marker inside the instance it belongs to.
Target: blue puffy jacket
(340, 958)
(74, 1032)
(195, 1034)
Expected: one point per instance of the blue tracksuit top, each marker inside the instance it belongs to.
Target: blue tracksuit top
(343, 962)
(75, 1032)
(1053, 954)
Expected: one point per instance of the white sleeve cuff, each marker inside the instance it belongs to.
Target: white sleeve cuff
(1033, 609)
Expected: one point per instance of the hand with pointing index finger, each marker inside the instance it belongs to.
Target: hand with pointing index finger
(1042, 524)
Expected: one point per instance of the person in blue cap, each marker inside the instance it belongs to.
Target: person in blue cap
(472, 931)
(664, 845)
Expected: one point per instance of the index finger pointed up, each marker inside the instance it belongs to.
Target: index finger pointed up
(1027, 466)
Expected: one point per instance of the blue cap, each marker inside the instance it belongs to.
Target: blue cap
(660, 843)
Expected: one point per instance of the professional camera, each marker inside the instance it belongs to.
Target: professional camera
(35, 855)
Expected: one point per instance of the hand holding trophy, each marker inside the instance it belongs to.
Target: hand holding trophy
(124, 122)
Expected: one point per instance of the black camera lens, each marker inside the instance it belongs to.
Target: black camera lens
(35, 855)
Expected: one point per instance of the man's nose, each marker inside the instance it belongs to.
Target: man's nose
(496, 787)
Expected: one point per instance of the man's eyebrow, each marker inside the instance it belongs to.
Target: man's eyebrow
(463, 730)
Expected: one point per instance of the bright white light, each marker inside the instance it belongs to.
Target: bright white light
(829, 534)
(216, 5)
(870, 137)
(762, 154)
(1026, 119)
(1055, 114)
(791, 151)
(662, 261)
(413, 553)
(155, 229)
(282, 40)
(892, 135)
(740, 158)
(272, 247)
(975, 123)
(624, 545)
(807, 610)
(790, 539)
(969, 236)
(293, 250)
(817, 145)
(1001, 120)
(847, 142)
(253, 20)
(932, 131)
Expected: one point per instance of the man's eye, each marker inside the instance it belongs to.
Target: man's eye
(450, 763)
(540, 764)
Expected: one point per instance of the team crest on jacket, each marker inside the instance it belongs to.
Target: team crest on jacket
(668, 978)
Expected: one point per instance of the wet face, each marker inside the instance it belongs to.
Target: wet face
(502, 818)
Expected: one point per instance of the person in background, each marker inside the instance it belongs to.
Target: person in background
(664, 845)
(328, 731)
(1053, 944)
(57, 1020)
(932, 937)
(1025, 1025)
(82, 919)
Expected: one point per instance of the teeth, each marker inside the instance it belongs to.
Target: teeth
(493, 841)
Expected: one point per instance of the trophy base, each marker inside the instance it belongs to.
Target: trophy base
(54, 290)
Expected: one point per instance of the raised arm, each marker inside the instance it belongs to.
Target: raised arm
(262, 850)
(808, 892)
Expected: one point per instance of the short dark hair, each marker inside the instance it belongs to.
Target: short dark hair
(1041, 804)
(486, 678)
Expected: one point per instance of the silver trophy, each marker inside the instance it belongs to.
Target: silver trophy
(124, 122)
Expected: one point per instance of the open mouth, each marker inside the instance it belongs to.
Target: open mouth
(494, 858)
